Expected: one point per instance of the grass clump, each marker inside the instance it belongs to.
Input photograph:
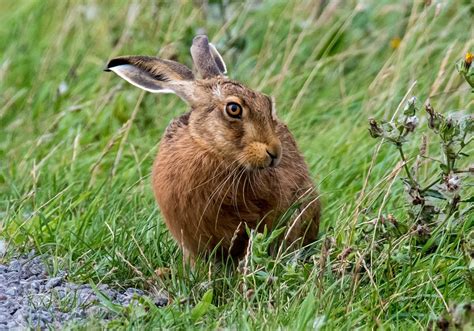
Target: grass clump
(397, 239)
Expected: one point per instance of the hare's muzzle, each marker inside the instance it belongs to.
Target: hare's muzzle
(260, 155)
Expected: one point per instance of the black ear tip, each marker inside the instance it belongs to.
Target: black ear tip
(116, 62)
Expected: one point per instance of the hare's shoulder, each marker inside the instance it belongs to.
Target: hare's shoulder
(176, 125)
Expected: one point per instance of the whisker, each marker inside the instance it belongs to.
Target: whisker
(216, 191)
(225, 194)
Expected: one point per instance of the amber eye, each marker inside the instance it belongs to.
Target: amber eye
(234, 110)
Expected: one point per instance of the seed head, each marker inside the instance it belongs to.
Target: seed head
(452, 182)
(411, 123)
(374, 129)
(435, 119)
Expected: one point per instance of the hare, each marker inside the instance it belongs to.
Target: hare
(226, 165)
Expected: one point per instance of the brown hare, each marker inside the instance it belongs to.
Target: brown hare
(226, 165)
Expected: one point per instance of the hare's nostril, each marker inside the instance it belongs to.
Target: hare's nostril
(274, 158)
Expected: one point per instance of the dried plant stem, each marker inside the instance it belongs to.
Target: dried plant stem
(430, 185)
(413, 183)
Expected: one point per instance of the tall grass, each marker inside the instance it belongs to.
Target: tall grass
(77, 146)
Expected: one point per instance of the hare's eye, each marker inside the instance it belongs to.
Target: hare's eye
(234, 110)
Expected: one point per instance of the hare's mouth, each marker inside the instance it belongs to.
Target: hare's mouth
(268, 162)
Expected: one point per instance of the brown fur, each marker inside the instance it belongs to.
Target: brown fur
(207, 177)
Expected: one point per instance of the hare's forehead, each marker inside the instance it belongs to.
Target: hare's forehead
(234, 89)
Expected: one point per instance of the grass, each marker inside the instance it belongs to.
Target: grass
(77, 146)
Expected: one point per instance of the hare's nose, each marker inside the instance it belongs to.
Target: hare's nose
(274, 152)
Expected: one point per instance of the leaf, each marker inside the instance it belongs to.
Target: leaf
(443, 167)
(148, 303)
(104, 300)
(138, 312)
(434, 194)
(306, 312)
(470, 199)
(275, 234)
(319, 322)
(202, 306)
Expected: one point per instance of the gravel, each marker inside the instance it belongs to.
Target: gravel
(29, 298)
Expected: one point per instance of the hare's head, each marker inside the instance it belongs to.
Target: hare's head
(226, 117)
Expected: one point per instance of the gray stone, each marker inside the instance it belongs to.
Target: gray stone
(132, 291)
(161, 301)
(14, 266)
(35, 285)
(12, 291)
(12, 276)
(31, 299)
(53, 282)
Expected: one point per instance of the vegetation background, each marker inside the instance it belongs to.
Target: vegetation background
(77, 146)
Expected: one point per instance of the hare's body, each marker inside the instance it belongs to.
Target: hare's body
(228, 164)
(207, 201)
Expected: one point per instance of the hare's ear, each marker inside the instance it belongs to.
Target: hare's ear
(206, 58)
(216, 56)
(155, 75)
